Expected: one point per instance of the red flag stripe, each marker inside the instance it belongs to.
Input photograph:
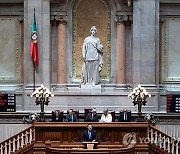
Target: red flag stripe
(34, 52)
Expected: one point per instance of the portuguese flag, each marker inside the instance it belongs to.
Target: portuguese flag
(34, 42)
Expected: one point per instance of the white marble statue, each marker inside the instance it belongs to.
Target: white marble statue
(92, 58)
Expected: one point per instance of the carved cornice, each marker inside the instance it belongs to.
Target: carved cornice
(124, 18)
(62, 19)
(121, 18)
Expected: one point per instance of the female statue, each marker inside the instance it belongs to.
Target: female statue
(92, 58)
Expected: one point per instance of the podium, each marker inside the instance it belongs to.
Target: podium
(90, 145)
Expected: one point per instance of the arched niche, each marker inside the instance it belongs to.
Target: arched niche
(85, 14)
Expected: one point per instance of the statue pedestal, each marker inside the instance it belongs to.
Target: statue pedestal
(89, 87)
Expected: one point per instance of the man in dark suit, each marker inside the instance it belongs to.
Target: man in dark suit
(90, 135)
(57, 116)
(92, 117)
(125, 116)
(71, 117)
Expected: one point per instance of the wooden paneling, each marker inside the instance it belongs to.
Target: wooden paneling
(65, 137)
(71, 133)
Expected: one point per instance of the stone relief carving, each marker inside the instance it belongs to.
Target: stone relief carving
(121, 18)
(59, 18)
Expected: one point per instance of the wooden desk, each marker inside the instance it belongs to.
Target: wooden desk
(66, 138)
(71, 133)
(90, 145)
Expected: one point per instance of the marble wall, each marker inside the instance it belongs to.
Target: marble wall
(144, 57)
(170, 49)
(11, 49)
(144, 41)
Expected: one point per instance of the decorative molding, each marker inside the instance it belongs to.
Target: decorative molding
(20, 19)
(11, 49)
(130, 19)
(128, 2)
(162, 18)
(169, 24)
(62, 19)
(121, 18)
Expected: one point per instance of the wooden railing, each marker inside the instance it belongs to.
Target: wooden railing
(163, 141)
(18, 141)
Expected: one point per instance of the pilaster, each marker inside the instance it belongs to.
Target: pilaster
(144, 41)
(61, 48)
(121, 49)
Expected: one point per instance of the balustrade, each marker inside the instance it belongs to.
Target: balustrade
(163, 141)
(18, 141)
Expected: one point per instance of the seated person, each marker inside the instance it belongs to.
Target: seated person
(106, 117)
(57, 116)
(71, 117)
(125, 116)
(90, 135)
(92, 117)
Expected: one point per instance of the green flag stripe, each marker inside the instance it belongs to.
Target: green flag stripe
(34, 24)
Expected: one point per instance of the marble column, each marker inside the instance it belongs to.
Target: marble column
(121, 50)
(42, 72)
(145, 41)
(162, 19)
(42, 11)
(61, 49)
(45, 38)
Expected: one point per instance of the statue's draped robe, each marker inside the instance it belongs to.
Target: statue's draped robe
(93, 60)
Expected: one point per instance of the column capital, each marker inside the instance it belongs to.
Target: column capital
(121, 18)
(59, 18)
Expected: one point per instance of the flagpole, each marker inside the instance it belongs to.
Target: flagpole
(34, 67)
(34, 49)
(34, 76)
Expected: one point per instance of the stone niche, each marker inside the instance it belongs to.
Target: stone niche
(86, 14)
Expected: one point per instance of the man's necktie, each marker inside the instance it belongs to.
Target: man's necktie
(72, 117)
(125, 116)
(89, 132)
